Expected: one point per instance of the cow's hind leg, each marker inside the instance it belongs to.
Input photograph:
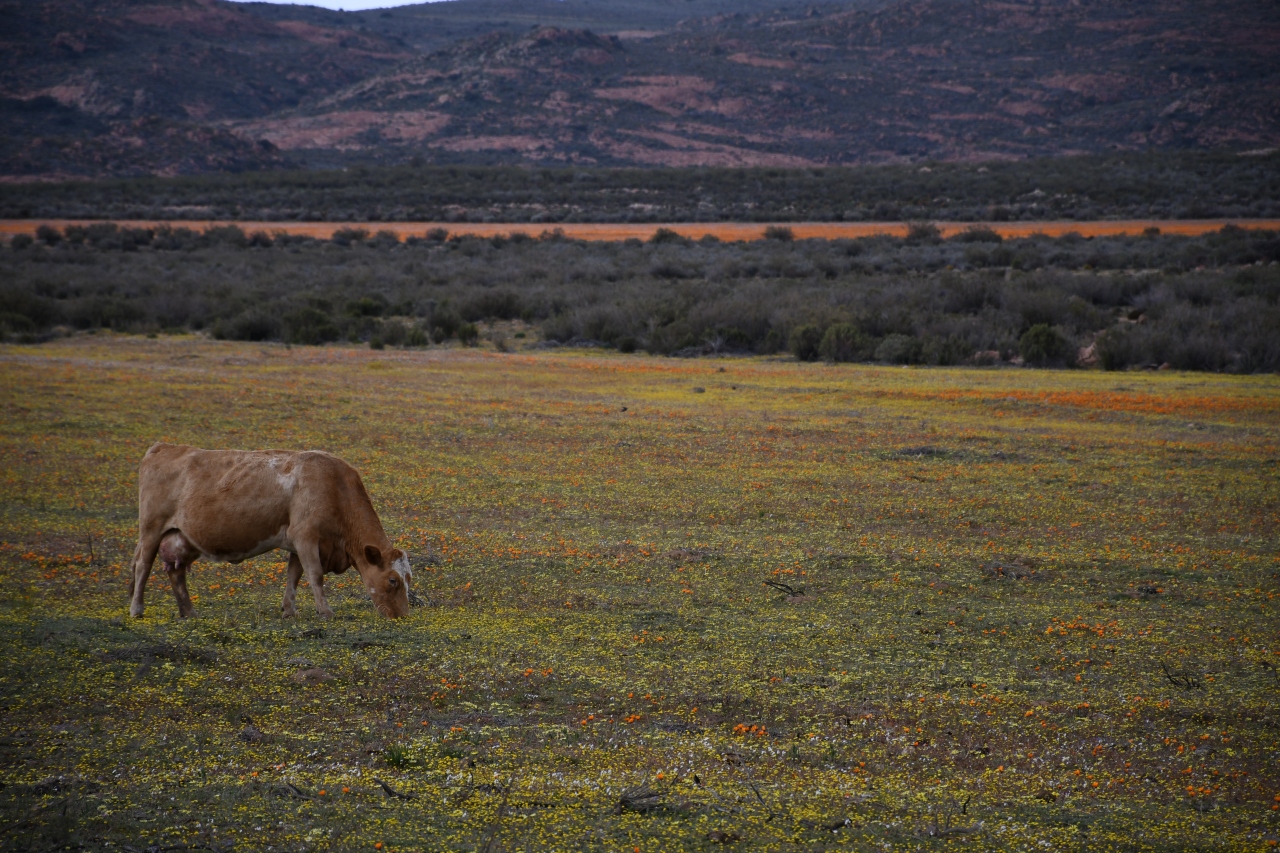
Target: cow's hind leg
(143, 556)
(288, 609)
(178, 555)
(178, 580)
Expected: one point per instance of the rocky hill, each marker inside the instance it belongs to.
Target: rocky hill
(116, 86)
(108, 86)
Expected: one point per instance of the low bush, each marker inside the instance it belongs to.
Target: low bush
(310, 325)
(843, 342)
(1043, 345)
(898, 349)
(348, 236)
(977, 234)
(805, 342)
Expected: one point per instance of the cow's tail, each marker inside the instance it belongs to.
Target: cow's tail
(133, 567)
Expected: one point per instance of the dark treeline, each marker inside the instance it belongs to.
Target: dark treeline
(1154, 185)
(1203, 303)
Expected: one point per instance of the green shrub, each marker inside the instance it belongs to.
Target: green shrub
(21, 241)
(347, 236)
(468, 334)
(666, 235)
(843, 342)
(15, 324)
(254, 325)
(226, 235)
(367, 306)
(169, 239)
(781, 233)
(393, 333)
(310, 326)
(1043, 345)
(804, 342)
(977, 234)
(112, 312)
(952, 349)
(923, 232)
(898, 349)
(1118, 348)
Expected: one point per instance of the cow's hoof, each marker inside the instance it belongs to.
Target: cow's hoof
(326, 614)
(288, 614)
(135, 612)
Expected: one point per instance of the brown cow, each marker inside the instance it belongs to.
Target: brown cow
(235, 504)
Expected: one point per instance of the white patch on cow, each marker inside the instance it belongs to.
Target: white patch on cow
(286, 481)
(401, 567)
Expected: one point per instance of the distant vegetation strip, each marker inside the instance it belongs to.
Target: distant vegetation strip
(1219, 185)
(1206, 302)
(726, 231)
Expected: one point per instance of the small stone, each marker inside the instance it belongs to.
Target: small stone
(252, 735)
(315, 675)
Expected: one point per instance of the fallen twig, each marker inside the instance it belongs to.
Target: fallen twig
(293, 790)
(751, 783)
(642, 799)
(783, 587)
(392, 792)
(1185, 680)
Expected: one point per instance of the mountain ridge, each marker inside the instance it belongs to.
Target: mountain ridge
(821, 85)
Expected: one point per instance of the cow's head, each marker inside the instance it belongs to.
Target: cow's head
(387, 577)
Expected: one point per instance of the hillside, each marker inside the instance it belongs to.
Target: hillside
(429, 27)
(121, 87)
(96, 87)
(945, 79)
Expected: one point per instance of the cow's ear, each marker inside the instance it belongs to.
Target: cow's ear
(373, 555)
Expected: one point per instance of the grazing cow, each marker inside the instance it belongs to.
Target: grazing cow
(235, 504)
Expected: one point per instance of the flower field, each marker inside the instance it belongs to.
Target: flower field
(744, 604)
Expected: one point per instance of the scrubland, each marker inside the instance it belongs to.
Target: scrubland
(1167, 185)
(667, 604)
(1191, 302)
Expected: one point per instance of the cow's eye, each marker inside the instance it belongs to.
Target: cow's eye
(393, 582)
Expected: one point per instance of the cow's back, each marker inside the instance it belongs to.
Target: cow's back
(231, 502)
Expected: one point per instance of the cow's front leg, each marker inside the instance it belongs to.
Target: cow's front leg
(314, 571)
(288, 610)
